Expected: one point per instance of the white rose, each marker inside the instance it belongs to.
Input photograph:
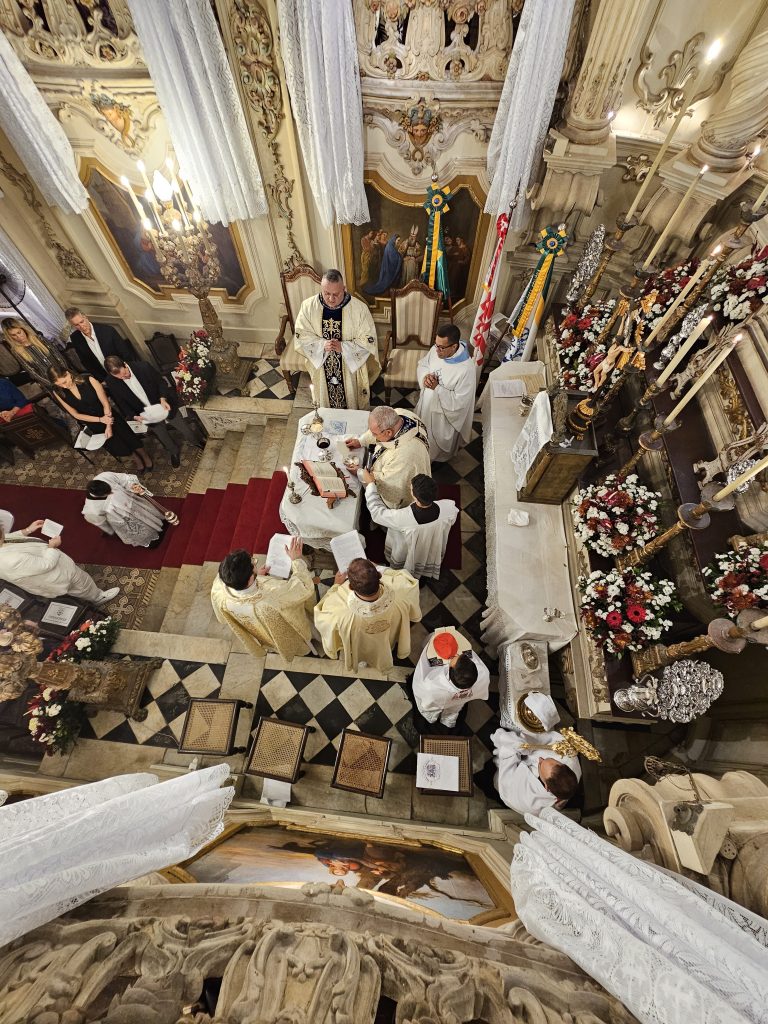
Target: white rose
(47, 693)
(34, 724)
(53, 710)
(82, 643)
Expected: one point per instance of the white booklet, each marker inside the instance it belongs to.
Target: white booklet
(508, 388)
(59, 614)
(51, 529)
(437, 771)
(277, 557)
(346, 548)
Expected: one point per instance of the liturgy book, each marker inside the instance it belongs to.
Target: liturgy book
(346, 548)
(277, 557)
(327, 480)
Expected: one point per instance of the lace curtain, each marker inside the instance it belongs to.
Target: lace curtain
(189, 68)
(36, 135)
(319, 48)
(672, 953)
(38, 305)
(59, 850)
(522, 118)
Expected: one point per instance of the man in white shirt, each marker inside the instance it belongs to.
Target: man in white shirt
(94, 342)
(448, 675)
(530, 780)
(446, 405)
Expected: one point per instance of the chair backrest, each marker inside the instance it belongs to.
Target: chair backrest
(415, 312)
(165, 350)
(298, 284)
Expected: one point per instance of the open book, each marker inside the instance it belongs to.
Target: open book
(346, 548)
(327, 480)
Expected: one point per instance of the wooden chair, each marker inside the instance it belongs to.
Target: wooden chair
(415, 313)
(361, 763)
(33, 431)
(450, 746)
(298, 284)
(210, 726)
(278, 750)
(165, 351)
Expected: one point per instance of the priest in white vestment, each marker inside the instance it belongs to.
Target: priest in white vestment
(448, 675)
(446, 405)
(366, 613)
(266, 613)
(530, 780)
(400, 451)
(114, 504)
(417, 535)
(43, 570)
(336, 334)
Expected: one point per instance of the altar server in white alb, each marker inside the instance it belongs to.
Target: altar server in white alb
(530, 780)
(114, 503)
(418, 534)
(447, 380)
(448, 675)
(336, 335)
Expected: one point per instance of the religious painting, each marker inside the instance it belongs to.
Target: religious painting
(430, 877)
(387, 252)
(119, 220)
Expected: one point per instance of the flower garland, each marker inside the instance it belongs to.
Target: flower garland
(616, 515)
(664, 289)
(192, 375)
(742, 290)
(624, 610)
(55, 721)
(90, 642)
(577, 347)
(739, 579)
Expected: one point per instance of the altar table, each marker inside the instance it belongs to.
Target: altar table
(527, 565)
(311, 518)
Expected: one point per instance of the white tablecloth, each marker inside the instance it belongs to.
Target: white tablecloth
(312, 519)
(527, 565)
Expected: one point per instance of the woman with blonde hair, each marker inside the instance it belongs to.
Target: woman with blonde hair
(86, 401)
(30, 351)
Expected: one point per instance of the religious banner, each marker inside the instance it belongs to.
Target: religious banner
(433, 268)
(482, 325)
(527, 314)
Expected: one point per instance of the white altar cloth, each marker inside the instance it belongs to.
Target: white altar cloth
(311, 518)
(527, 565)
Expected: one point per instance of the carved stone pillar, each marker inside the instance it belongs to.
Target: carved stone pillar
(727, 135)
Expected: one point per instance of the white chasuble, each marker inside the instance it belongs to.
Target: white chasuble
(447, 409)
(419, 548)
(341, 380)
(366, 631)
(437, 697)
(397, 462)
(124, 513)
(270, 614)
(518, 782)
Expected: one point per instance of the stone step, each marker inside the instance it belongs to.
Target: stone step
(200, 620)
(225, 463)
(202, 478)
(248, 454)
(269, 451)
(181, 599)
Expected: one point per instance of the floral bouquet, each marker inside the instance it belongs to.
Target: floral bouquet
(739, 579)
(743, 289)
(193, 374)
(616, 516)
(91, 642)
(577, 346)
(624, 610)
(661, 291)
(54, 720)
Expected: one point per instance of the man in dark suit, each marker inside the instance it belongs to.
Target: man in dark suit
(138, 385)
(94, 342)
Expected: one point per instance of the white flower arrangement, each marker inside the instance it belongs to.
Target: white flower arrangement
(616, 515)
(626, 610)
(743, 289)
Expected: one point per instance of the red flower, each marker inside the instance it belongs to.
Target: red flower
(614, 619)
(569, 321)
(584, 323)
(764, 561)
(636, 613)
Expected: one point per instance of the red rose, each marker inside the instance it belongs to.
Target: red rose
(584, 323)
(756, 282)
(636, 613)
(569, 321)
(614, 619)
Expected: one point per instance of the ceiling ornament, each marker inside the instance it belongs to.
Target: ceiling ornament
(635, 167)
(71, 34)
(682, 67)
(123, 114)
(68, 260)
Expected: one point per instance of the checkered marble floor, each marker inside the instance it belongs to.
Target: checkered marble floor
(266, 380)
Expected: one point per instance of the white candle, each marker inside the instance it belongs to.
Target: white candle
(285, 470)
(759, 623)
(129, 188)
(685, 348)
(760, 199)
(143, 171)
(659, 156)
(694, 280)
(740, 480)
(312, 393)
(673, 218)
(699, 384)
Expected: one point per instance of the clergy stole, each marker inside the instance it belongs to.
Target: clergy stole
(408, 424)
(332, 368)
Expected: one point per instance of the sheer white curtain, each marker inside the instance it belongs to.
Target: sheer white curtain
(672, 953)
(59, 850)
(193, 81)
(319, 47)
(38, 305)
(522, 118)
(37, 136)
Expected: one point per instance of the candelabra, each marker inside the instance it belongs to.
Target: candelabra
(649, 441)
(751, 627)
(684, 692)
(188, 259)
(293, 497)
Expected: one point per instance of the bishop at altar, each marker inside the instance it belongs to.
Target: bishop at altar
(336, 335)
(447, 401)
(400, 452)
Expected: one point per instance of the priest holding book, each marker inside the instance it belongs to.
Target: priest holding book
(336, 335)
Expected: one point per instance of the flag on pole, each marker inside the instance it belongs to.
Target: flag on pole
(529, 311)
(482, 325)
(434, 271)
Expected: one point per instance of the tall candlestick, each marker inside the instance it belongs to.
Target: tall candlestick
(673, 218)
(684, 349)
(761, 199)
(672, 416)
(741, 480)
(660, 155)
(694, 280)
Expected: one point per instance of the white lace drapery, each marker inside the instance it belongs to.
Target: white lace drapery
(36, 135)
(189, 68)
(522, 118)
(38, 305)
(319, 48)
(59, 850)
(672, 953)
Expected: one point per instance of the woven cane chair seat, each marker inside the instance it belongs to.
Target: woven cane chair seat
(209, 726)
(401, 371)
(458, 746)
(278, 748)
(361, 764)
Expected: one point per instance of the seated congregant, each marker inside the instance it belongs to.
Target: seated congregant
(113, 503)
(417, 535)
(266, 613)
(400, 451)
(94, 342)
(12, 401)
(366, 613)
(32, 354)
(448, 675)
(446, 404)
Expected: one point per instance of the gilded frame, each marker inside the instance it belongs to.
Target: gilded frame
(165, 292)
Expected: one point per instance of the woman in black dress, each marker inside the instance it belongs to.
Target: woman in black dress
(86, 401)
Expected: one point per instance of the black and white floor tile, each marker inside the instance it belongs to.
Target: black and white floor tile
(267, 381)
